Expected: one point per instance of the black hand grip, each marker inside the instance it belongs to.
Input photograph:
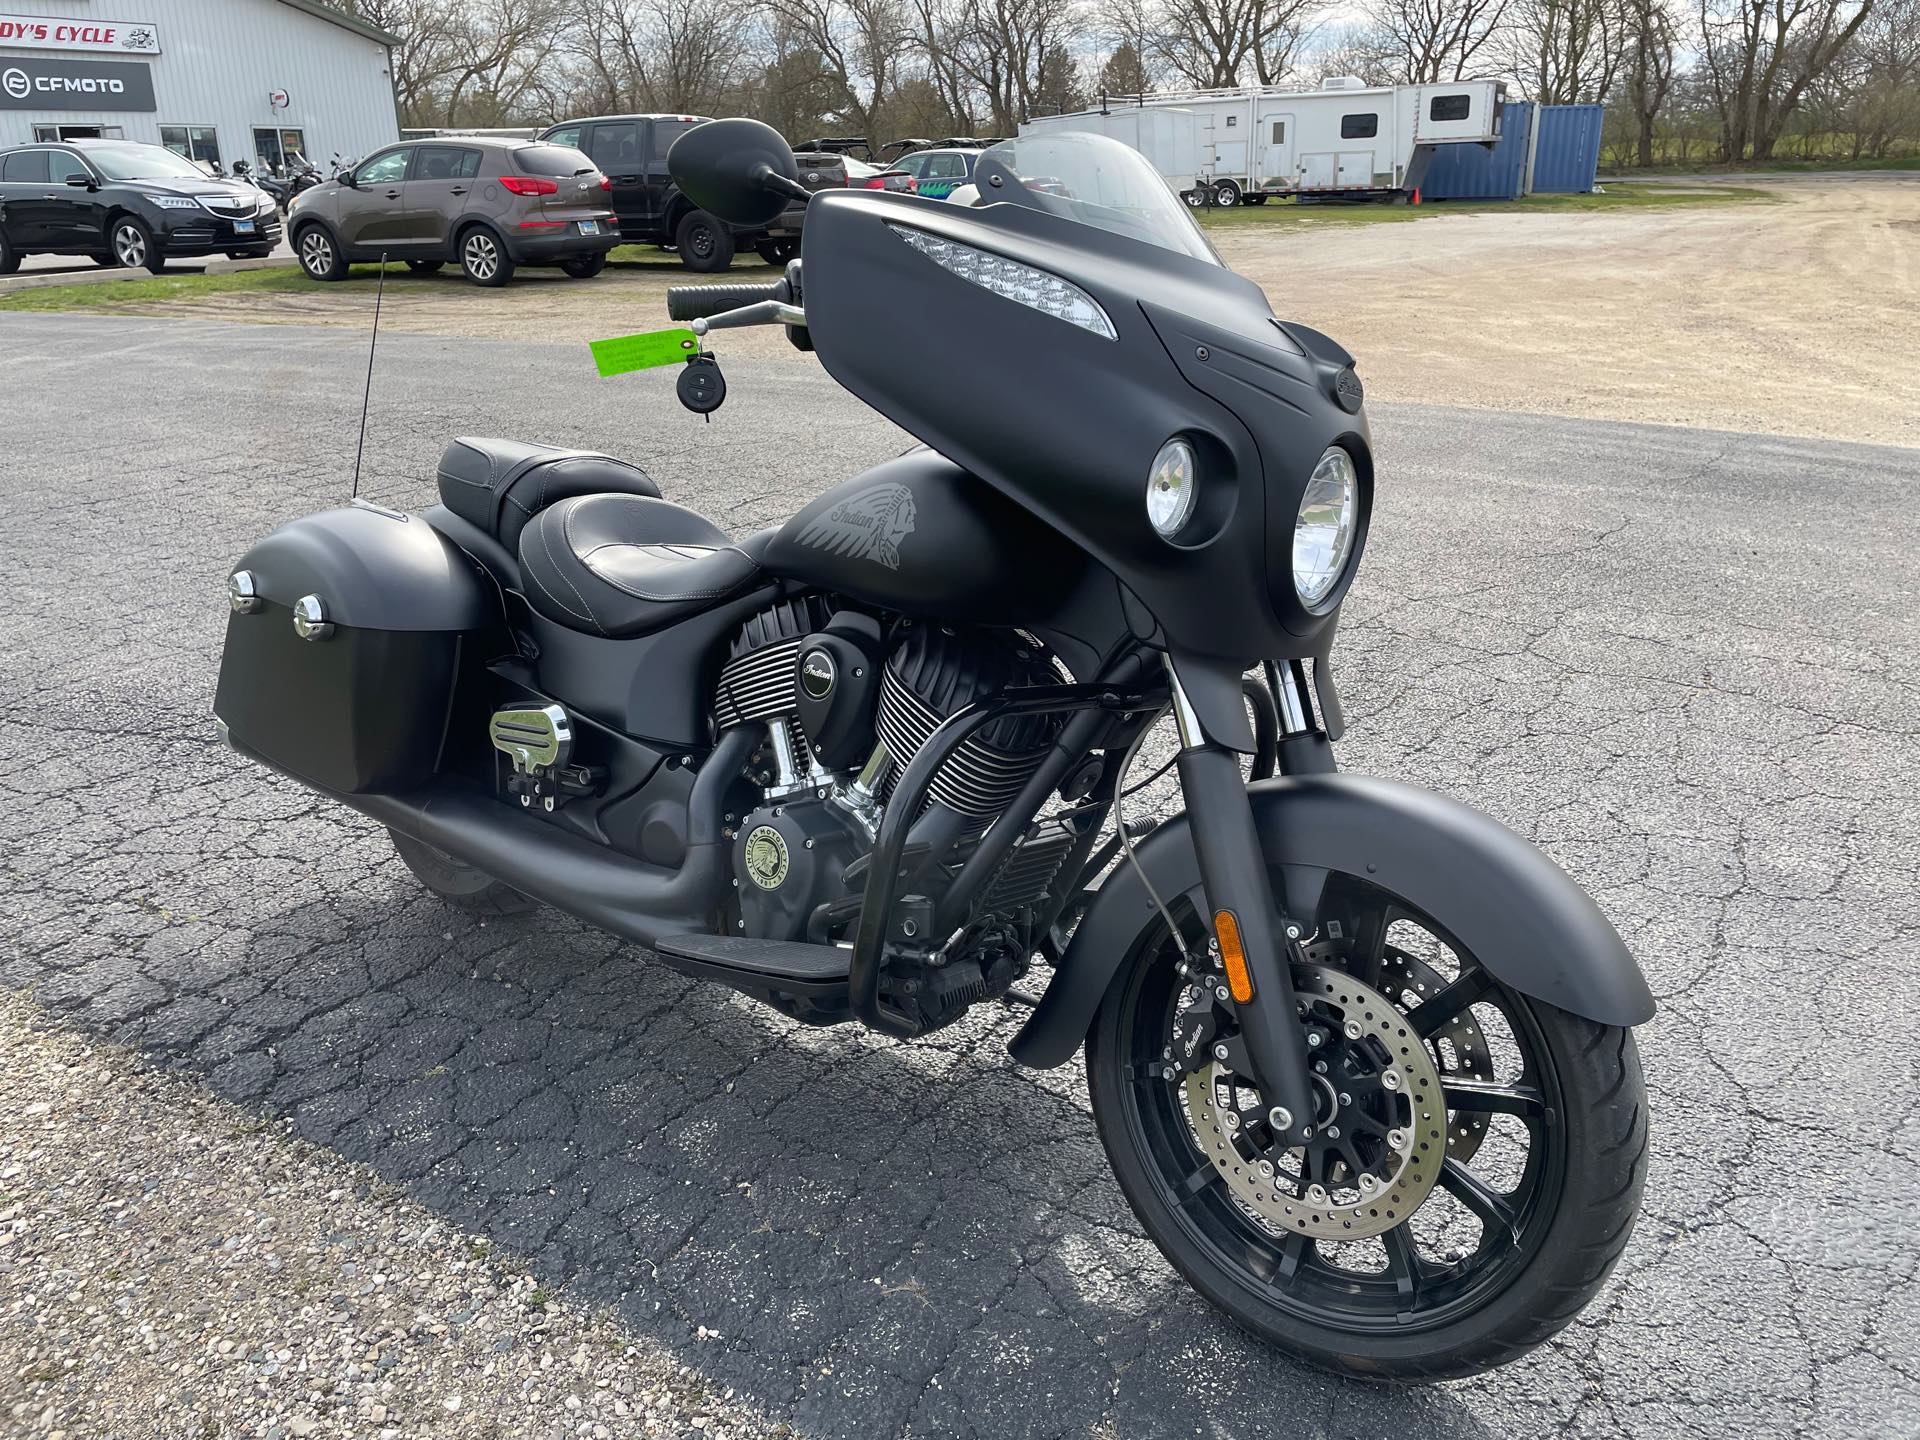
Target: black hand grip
(701, 302)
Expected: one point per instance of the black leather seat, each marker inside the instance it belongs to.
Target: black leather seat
(499, 485)
(622, 565)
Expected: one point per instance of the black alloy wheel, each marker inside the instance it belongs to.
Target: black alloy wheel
(1408, 1240)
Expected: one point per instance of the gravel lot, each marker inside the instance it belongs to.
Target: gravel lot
(1684, 661)
(1794, 318)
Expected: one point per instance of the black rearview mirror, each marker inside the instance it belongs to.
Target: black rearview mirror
(85, 182)
(739, 170)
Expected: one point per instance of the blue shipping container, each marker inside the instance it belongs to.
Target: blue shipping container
(1473, 172)
(1566, 153)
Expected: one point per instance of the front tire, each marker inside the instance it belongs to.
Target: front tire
(459, 885)
(134, 247)
(9, 257)
(704, 243)
(1474, 1271)
(319, 256)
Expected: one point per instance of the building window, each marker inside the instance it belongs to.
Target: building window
(275, 150)
(43, 134)
(1450, 107)
(196, 142)
(1359, 127)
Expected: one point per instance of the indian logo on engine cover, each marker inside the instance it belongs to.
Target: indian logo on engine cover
(867, 526)
(766, 857)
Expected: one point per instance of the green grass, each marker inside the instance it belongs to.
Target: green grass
(1290, 214)
(362, 280)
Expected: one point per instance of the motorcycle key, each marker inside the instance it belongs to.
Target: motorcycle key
(701, 386)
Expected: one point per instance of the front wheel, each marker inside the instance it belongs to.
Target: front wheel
(1476, 1164)
(134, 247)
(319, 256)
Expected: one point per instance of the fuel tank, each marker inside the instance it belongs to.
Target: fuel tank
(920, 536)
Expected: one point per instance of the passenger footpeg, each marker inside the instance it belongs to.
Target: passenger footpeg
(540, 745)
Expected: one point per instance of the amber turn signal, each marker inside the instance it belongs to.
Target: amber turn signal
(1226, 930)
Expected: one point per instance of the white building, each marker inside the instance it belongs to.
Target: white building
(1345, 138)
(228, 79)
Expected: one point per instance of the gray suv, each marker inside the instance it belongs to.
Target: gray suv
(489, 205)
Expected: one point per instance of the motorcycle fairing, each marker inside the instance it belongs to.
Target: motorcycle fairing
(1067, 421)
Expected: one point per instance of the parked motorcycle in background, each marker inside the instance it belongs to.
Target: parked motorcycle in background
(1360, 1057)
(263, 181)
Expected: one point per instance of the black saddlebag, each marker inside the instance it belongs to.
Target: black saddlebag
(346, 639)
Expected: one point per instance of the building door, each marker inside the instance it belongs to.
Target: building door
(275, 149)
(1276, 150)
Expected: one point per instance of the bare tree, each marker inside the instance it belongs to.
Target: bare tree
(860, 43)
(1566, 52)
(1648, 69)
(1435, 40)
(1213, 43)
(1760, 57)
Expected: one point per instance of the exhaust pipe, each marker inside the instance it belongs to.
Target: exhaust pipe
(608, 890)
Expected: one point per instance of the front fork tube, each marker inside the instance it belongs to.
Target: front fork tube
(1233, 871)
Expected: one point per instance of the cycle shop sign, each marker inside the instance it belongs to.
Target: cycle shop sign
(66, 32)
(102, 85)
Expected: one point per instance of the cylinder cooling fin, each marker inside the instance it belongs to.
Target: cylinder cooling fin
(932, 674)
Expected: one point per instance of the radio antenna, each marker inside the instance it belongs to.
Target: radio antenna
(367, 395)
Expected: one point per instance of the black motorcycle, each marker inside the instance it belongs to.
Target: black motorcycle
(1359, 1055)
(264, 181)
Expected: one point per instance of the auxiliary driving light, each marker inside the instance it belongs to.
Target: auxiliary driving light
(1172, 486)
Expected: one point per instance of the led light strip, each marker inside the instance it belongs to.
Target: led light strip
(1009, 279)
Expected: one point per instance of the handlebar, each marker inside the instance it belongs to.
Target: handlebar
(702, 302)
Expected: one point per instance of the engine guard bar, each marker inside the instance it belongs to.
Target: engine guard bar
(910, 793)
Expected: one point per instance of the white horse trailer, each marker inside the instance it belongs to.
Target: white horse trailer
(1346, 138)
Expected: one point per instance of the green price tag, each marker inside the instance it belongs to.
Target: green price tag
(642, 352)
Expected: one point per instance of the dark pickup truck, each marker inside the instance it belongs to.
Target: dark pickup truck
(631, 150)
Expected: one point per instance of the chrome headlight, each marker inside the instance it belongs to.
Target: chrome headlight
(174, 202)
(1324, 530)
(1173, 484)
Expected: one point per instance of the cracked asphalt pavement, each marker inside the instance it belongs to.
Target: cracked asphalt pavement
(1683, 661)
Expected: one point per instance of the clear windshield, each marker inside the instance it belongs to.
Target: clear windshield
(142, 162)
(1095, 180)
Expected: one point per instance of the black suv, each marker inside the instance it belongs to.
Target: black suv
(632, 151)
(122, 203)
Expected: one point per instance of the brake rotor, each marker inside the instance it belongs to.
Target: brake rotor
(1380, 1137)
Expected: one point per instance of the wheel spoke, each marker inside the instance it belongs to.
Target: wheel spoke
(1370, 945)
(1404, 1264)
(1488, 1205)
(1492, 1096)
(1293, 1250)
(1197, 1183)
(1427, 1019)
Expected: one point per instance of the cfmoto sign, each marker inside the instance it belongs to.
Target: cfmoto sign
(109, 87)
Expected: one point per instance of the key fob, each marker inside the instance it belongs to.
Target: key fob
(701, 386)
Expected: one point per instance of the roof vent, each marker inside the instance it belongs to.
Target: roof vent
(1344, 82)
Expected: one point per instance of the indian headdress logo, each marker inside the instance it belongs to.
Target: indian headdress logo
(867, 526)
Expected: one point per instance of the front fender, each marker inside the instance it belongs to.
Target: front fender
(1519, 913)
